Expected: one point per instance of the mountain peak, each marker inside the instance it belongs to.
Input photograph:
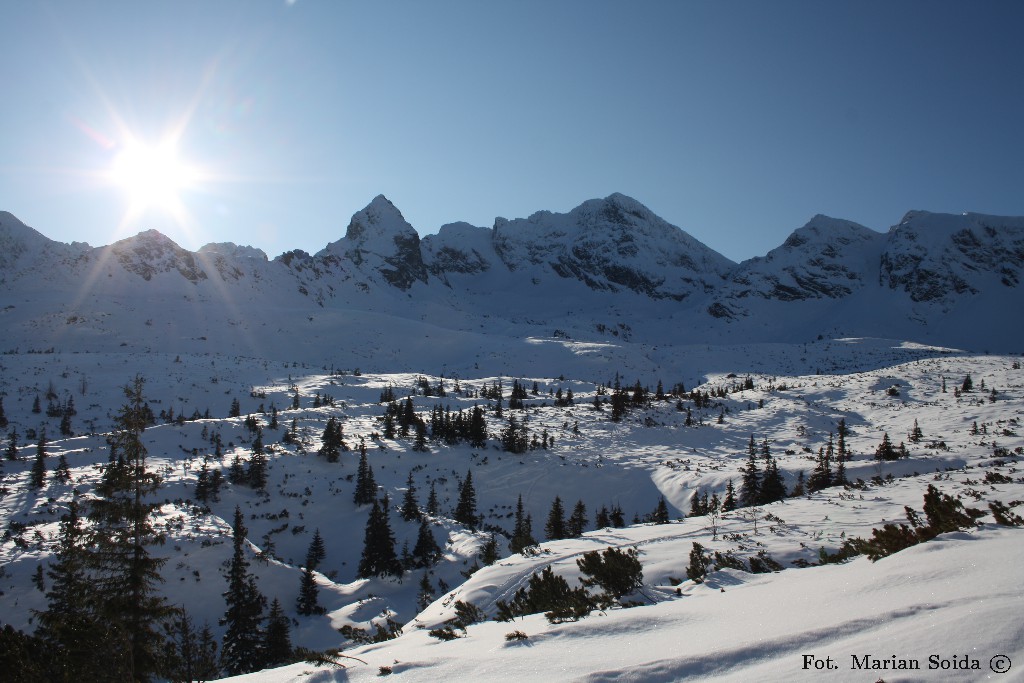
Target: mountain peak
(379, 238)
(151, 253)
(380, 218)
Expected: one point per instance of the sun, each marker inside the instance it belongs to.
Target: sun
(152, 176)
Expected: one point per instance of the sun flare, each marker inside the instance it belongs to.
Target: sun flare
(152, 176)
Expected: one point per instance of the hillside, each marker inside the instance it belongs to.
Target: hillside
(603, 358)
(874, 385)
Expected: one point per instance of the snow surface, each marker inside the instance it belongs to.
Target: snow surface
(954, 598)
(952, 601)
(381, 309)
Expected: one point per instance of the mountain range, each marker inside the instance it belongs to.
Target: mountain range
(600, 273)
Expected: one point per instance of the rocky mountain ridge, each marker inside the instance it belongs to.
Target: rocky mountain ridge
(609, 265)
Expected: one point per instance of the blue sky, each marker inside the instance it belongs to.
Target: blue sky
(736, 121)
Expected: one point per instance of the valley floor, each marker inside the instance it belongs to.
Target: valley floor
(956, 597)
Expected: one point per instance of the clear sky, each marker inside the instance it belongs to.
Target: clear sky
(269, 122)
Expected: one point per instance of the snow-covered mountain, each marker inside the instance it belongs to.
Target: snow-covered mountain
(778, 346)
(607, 271)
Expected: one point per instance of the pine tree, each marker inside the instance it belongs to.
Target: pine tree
(216, 481)
(63, 472)
(698, 567)
(696, 510)
(842, 454)
(244, 636)
(750, 486)
(426, 552)
(317, 552)
(236, 409)
(125, 576)
(190, 656)
(207, 666)
(366, 487)
(729, 503)
(773, 487)
(202, 491)
(465, 510)
(799, 488)
(617, 517)
(12, 445)
(37, 477)
(433, 507)
(3, 416)
(489, 552)
(236, 473)
(71, 625)
(308, 601)
(617, 572)
(409, 509)
(277, 643)
(620, 402)
(65, 424)
(577, 523)
(839, 478)
(425, 596)
(555, 527)
(522, 534)
(885, 450)
(602, 520)
(420, 443)
(256, 474)
(331, 441)
(660, 514)
(916, 433)
(477, 428)
(379, 558)
(821, 476)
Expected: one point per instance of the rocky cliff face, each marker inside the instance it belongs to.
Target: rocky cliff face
(937, 257)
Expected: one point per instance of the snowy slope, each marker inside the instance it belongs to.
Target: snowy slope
(595, 460)
(827, 258)
(953, 602)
